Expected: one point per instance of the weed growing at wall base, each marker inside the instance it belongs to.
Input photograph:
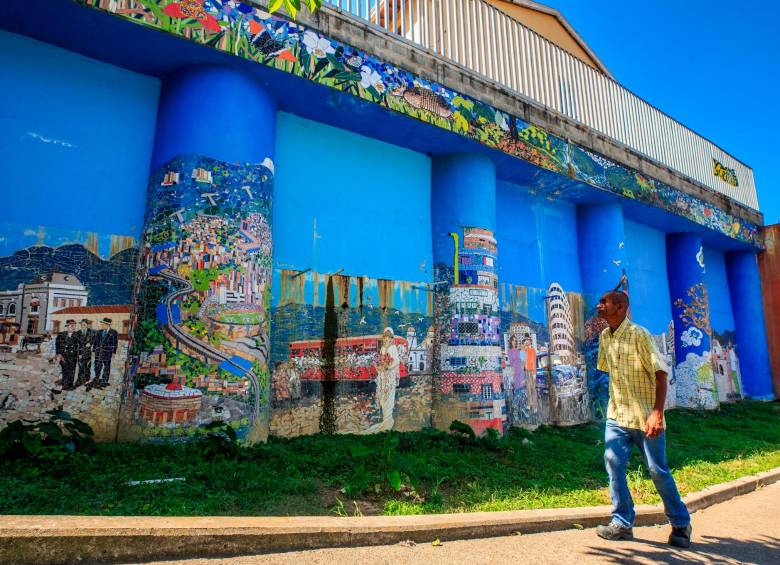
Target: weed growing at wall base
(439, 472)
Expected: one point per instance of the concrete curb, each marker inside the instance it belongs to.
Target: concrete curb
(73, 539)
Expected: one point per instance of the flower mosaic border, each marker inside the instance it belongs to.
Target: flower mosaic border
(246, 31)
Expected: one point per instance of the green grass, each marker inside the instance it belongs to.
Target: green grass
(555, 467)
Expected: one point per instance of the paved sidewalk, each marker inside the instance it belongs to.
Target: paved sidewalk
(745, 529)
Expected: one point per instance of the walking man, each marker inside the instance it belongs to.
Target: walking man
(104, 345)
(635, 417)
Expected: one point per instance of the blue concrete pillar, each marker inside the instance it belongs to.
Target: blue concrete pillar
(746, 304)
(202, 322)
(216, 112)
(691, 313)
(602, 254)
(463, 194)
(468, 382)
(601, 241)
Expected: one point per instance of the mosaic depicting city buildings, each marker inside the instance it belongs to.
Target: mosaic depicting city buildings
(725, 366)
(545, 372)
(200, 344)
(195, 326)
(250, 33)
(64, 321)
(469, 383)
(350, 354)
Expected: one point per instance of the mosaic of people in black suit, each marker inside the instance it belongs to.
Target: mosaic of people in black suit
(86, 338)
(66, 348)
(104, 345)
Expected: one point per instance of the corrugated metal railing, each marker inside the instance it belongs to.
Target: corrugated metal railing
(487, 41)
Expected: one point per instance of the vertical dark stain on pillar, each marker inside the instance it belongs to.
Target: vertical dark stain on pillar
(385, 294)
(328, 363)
(343, 290)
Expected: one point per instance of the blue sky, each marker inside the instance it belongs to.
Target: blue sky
(713, 65)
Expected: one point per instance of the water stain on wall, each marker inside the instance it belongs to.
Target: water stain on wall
(329, 336)
(385, 293)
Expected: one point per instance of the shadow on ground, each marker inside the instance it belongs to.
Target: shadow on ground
(705, 549)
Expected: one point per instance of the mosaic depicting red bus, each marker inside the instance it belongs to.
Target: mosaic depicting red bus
(355, 358)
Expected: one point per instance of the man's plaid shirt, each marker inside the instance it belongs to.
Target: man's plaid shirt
(631, 358)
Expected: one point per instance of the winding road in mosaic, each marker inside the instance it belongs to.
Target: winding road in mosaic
(210, 354)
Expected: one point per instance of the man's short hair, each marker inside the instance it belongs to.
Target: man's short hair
(618, 297)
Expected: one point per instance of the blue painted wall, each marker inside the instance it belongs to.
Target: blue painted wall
(648, 284)
(520, 248)
(537, 242)
(370, 200)
(76, 138)
(539, 236)
(721, 316)
(745, 290)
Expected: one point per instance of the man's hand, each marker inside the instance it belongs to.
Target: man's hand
(59, 358)
(655, 424)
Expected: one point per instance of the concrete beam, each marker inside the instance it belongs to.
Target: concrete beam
(405, 54)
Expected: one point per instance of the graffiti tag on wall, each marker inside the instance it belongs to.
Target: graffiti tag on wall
(723, 172)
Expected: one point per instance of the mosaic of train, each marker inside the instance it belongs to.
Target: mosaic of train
(200, 347)
(350, 354)
(64, 321)
(248, 32)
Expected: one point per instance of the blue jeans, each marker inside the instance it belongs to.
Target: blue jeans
(618, 443)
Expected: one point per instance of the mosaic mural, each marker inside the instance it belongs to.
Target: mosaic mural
(350, 354)
(604, 173)
(665, 344)
(696, 385)
(200, 345)
(248, 32)
(598, 381)
(545, 372)
(345, 354)
(64, 320)
(725, 366)
(469, 382)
